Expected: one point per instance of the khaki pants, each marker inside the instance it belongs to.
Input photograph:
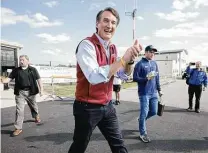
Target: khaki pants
(20, 105)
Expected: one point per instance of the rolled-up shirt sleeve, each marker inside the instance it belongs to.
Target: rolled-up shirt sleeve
(87, 60)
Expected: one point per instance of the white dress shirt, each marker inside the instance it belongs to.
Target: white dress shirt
(87, 60)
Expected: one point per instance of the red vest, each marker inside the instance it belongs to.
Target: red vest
(100, 93)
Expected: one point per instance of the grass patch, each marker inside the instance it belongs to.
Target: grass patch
(129, 85)
(63, 90)
(67, 90)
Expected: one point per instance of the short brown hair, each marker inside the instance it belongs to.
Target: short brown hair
(110, 9)
(25, 56)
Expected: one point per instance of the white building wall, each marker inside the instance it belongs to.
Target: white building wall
(165, 68)
(178, 60)
(168, 56)
(171, 63)
(184, 61)
(175, 70)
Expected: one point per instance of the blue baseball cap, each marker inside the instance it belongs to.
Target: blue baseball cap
(150, 48)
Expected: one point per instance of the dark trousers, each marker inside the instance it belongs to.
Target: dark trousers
(87, 117)
(197, 90)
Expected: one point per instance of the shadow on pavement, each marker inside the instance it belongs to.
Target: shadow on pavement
(130, 111)
(10, 124)
(173, 110)
(60, 138)
(6, 132)
(169, 110)
(177, 145)
(176, 110)
(171, 145)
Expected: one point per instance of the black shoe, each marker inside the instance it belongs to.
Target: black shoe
(116, 102)
(189, 109)
(197, 111)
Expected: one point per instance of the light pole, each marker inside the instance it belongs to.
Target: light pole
(133, 15)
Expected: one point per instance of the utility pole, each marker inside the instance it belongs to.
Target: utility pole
(133, 15)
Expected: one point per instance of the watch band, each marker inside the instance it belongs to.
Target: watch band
(131, 62)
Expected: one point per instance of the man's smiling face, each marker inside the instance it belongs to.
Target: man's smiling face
(106, 25)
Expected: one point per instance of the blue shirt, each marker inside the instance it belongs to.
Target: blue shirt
(197, 77)
(87, 60)
(141, 70)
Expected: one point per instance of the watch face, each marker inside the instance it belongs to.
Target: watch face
(131, 62)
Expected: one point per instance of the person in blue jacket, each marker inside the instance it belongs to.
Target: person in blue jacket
(146, 74)
(197, 78)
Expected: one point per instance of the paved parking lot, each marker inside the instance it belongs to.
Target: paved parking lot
(176, 131)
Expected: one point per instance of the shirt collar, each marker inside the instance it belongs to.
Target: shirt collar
(103, 42)
(144, 58)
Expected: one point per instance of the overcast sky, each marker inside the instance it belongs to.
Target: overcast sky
(50, 30)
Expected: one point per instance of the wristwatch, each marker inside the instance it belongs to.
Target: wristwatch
(131, 62)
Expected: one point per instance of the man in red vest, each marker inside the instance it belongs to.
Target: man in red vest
(97, 62)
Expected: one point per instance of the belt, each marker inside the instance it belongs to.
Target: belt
(91, 104)
(26, 89)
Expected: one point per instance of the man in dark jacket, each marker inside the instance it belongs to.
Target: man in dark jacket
(146, 74)
(197, 78)
(27, 85)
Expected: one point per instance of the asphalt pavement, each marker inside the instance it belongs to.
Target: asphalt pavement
(177, 131)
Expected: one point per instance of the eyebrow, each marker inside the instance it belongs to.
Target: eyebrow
(108, 19)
